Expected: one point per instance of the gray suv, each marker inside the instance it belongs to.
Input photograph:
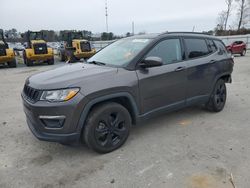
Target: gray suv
(132, 79)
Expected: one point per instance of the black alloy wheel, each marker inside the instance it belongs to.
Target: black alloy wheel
(107, 127)
(219, 96)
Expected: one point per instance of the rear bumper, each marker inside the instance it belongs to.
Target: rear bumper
(42, 57)
(30, 54)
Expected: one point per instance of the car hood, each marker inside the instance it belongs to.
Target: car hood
(68, 76)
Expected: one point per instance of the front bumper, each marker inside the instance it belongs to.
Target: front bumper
(71, 110)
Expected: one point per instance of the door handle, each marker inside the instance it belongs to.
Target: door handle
(212, 61)
(180, 69)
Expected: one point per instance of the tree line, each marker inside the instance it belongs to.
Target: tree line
(242, 9)
(12, 35)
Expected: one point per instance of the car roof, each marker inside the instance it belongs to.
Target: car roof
(166, 34)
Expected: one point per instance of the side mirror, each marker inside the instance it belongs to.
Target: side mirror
(151, 62)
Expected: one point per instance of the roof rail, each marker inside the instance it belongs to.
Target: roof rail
(184, 32)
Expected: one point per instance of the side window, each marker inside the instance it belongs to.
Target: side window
(211, 46)
(196, 47)
(221, 47)
(169, 50)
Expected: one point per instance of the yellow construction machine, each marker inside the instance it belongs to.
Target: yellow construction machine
(75, 47)
(37, 49)
(7, 55)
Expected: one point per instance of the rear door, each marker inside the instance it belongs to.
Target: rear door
(165, 86)
(201, 68)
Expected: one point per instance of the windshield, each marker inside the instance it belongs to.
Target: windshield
(36, 36)
(121, 52)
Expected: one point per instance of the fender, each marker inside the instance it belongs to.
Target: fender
(219, 76)
(91, 103)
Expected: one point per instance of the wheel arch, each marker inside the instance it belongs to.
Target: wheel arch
(225, 76)
(123, 98)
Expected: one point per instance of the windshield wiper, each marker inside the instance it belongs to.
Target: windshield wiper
(96, 63)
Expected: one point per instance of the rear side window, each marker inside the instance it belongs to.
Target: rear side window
(211, 46)
(196, 47)
(238, 42)
(169, 50)
(221, 47)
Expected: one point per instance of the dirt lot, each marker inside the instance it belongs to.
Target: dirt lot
(191, 148)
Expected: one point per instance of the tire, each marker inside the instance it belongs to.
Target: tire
(26, 61)
(218, 98)
(62, 56)
(29, 62)
(12, 64)
(243, 53)
(71, 59)
(107, 127)
(51, 61)
(24, 57)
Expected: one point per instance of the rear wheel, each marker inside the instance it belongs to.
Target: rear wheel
(51, 61)
(107, 127)
(27, 61)
(71, 58)
(243, 53)
(62, 56)
(218, 98)
(12, 64)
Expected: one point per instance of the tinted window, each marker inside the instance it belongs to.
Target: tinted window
(211, 46)
(238, 42)
(196, 47)
(221, 47)
(169, 50)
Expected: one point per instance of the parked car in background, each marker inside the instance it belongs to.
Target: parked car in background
(237, 47)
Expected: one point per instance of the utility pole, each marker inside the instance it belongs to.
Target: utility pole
(133, 28)
(106, 15)
(193, 28)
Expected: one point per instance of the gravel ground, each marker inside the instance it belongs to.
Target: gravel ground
(191, 148)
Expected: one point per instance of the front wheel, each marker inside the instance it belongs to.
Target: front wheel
(243, 53)
(218, 98)
(107, 127)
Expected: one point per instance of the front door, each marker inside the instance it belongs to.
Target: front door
(165, 86)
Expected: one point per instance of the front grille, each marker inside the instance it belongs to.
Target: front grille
(2, 50)
(85, 47)
(40, 48)
(31, 94)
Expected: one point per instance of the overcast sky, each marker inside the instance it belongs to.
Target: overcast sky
(148, 15)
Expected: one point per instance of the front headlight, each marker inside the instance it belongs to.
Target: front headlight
(59, 95)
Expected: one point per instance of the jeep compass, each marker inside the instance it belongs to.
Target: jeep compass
(132, 79)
